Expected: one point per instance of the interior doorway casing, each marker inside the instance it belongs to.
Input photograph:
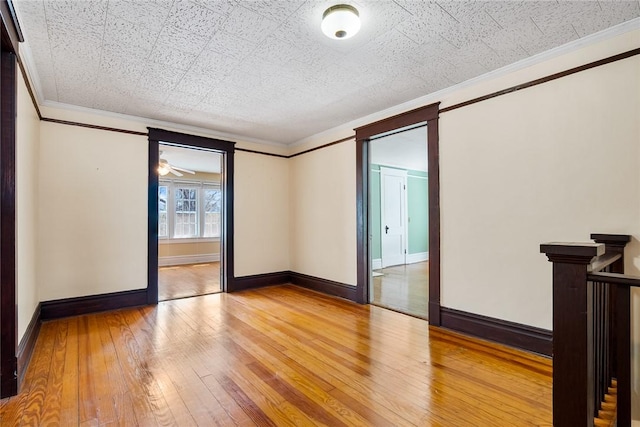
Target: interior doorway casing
(227, 248)
(427, 114)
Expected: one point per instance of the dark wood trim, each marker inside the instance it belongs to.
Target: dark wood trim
(408, 118)
(67, 307)
(433, 141)
(614, 245)
(611, 239)
(545, 79)
(624, 355)
(8, 296)
(152, 218)
(264, 153)
(427, 114)
(260, 280)
(28, 343)
(615, 278)
(572, 253)
(573, 349)
(85, 125)
(11, 34)
(14, 20)
(524, 337)
(325, 286)
(329, 144)
(363, 219)
(187, 140)
(227, 148)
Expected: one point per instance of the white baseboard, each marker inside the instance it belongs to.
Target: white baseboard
(419, 257)
(186, 259)
(376, 264)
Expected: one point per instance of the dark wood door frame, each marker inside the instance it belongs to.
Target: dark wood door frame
(156, 136)
(428, 114)
(10, 37)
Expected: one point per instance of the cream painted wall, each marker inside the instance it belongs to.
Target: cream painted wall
(92, 212)
(27, 146)
(261, 208)
(555, 162)
(323, 213)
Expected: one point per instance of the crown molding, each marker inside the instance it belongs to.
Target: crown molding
(147, 122)
(346, 129)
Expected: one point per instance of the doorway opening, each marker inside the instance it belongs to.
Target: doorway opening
(364, 135)
(399, 231)
(189, 221)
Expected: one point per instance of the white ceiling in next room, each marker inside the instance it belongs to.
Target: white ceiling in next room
(406, 149)
(265, 70)
(192, 159)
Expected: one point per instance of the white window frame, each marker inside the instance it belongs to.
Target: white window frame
(199, 186)
(202, 212)
(168, 201)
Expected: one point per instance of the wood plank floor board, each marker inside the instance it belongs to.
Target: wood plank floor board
(38, 380)
(404, 288)
(235, 412)
(361, 329)
(133, 369)
(70, 395)
(301, 379)
(190, 280)
(51, 409)
(276, 356)
(390, 376)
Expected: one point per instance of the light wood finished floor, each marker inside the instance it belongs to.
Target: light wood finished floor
(277, 356)
(404, 288)
(188, 280)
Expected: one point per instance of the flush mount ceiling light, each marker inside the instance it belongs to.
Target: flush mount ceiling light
(340, 22)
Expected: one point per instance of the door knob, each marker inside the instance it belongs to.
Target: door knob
(386, 229)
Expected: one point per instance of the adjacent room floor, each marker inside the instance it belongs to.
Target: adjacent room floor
(275, 356)
(403, 288)
(188, 280)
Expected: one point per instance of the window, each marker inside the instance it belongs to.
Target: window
(186, 212)
(163, 221)
(189, 210)
(212, 205)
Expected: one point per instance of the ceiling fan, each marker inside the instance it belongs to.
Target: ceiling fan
(164, 167)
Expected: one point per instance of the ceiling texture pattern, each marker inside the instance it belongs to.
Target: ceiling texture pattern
(263, 69)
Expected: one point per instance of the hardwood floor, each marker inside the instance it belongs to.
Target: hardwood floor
(188, 280)
(404, 288)
(273, 357)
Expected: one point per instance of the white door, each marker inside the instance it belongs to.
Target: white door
(393, 215)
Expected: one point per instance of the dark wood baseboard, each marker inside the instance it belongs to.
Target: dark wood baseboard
(435, 316)
(323, 285)
(28, 343)
(529, 338)
(259, 281)
(92, 304)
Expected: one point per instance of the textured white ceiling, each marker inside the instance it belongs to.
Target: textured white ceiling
(406, 149)
(192, 159)
(263, 69)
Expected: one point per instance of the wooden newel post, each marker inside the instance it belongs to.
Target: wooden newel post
(573, 402)
(614, 244)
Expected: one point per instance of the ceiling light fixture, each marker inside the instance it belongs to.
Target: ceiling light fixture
(163, 167)
(340, 22)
